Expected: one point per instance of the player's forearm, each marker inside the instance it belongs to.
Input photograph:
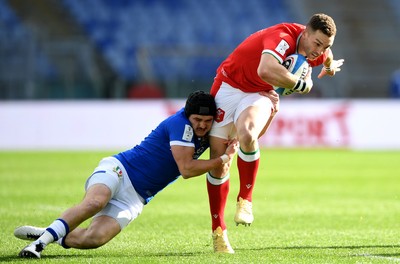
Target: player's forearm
(199, 167)
(278, 76)
(271, 71)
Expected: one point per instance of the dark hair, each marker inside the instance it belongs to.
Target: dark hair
(200, 103)
(324, 23)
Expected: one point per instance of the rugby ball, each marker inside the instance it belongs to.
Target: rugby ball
(296, 64)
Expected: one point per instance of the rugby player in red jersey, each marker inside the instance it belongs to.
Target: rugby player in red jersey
(246, 104)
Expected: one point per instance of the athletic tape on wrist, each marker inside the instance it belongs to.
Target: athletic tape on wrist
(300, 85)
(225, 158)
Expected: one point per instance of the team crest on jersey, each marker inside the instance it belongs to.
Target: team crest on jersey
(282, 47)
(220, 115)
(187, 133)
(118, 171)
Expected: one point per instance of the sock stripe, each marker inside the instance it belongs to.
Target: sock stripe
(216, 181)
(249, 156)
(248, 153)
(65, 225)
(53, 233)
(63, 243)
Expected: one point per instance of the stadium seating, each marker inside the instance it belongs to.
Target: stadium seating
(16, 47)
(395, 4)
(167, 29)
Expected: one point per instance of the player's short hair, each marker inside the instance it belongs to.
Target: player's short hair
(324, 23)
(200, 103)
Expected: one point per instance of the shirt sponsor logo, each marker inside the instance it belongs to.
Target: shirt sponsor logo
(187, 133)
(282, 47)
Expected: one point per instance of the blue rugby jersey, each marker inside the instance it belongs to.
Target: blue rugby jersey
(150, 165)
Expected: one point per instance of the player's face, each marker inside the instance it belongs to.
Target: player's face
(315, 43)
(201, 124)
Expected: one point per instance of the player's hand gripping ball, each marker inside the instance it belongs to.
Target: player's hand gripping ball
(297, 65)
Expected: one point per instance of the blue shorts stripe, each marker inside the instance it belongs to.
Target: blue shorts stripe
(100, 171)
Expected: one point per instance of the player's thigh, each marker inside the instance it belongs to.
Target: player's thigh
(251, 121)
(100, 192)
(98, 195)
(217, 146)
(252, 115)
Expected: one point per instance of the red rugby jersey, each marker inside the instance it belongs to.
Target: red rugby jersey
(239, 69)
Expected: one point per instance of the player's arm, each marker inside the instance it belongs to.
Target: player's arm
(271, 71)
(189, 167)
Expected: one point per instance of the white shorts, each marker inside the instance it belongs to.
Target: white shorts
(125, 204)
(233, 102)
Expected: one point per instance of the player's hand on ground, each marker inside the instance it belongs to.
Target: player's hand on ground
(332, 69)
(274, 97)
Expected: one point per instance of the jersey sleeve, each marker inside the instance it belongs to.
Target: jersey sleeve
(180, 133)
(280, 42)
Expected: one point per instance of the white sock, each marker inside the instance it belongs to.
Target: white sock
(58, 229)
(46, 238)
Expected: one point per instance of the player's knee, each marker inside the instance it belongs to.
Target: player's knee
(247, 139)
(93, 206)
(221, 171)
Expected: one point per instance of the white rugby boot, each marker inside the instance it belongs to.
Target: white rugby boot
(244, 212)
(28, 232)
(221, 242)
(32, 250)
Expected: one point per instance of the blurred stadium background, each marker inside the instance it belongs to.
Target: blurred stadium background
(68, 67)
(113, 49)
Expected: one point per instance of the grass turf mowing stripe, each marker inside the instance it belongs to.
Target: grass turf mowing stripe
(310, 206)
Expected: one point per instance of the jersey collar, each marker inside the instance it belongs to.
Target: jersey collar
(298, 41)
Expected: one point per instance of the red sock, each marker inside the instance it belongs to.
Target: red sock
(247, 164)
(217, 195)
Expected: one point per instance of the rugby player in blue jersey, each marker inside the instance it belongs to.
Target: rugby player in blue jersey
(122, 184)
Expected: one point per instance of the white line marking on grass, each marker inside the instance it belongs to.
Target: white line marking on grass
(380, 257)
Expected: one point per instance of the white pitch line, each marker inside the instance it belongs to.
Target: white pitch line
(380, 257)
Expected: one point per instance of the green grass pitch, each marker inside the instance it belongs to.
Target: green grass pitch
(310, 206)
